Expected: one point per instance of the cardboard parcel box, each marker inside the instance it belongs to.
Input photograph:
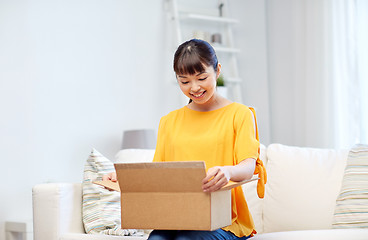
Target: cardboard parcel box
(169, 196)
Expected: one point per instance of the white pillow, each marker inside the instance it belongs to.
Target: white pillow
(302, 187)
(101, 207)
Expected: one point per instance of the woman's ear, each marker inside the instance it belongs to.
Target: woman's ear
(218, 70)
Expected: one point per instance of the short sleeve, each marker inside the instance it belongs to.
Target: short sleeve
(160, 145)
(246, 144)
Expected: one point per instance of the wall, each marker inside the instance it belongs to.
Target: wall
(251, 38)
(297, 70)
(75, 74)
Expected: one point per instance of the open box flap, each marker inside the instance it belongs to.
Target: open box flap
(109, 185)
(161, 176)
(115, 185)
(231, 184)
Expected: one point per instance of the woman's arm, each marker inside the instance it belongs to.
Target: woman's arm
(217, 177)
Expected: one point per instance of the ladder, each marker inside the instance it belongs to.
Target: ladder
(207, 20)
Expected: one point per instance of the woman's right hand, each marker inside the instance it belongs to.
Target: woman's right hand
(110, 176)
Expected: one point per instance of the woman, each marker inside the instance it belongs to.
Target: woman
(213, 129)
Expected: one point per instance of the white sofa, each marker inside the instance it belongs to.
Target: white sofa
(301, 192)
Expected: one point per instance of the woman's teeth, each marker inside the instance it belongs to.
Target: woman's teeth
(198, 95)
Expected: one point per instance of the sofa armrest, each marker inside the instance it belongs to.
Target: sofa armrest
(56, 210)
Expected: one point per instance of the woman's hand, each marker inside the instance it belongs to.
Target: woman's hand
(110, 176)
(216, 178)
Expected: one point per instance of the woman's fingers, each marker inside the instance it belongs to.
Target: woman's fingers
(105, 177)
(212, 172)
(110, 176)
(213, 185)
(216, 178)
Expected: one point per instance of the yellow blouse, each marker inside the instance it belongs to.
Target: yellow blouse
(220, 137)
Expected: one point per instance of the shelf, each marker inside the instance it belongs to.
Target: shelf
(208, 18)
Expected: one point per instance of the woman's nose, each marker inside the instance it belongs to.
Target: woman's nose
(195, 87)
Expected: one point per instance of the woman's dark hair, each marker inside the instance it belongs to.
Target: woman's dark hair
(193, 56)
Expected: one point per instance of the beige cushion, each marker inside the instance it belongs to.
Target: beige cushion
(302, 187)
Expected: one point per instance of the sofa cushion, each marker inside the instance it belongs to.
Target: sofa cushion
(77, 236)
(101, 207)
(302, 187)
(134, 155)
(352, 204)
(327, 234)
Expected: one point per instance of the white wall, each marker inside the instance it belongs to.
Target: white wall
(296, 39)
(75, 74)
(251, 38)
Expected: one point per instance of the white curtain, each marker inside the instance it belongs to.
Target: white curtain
(343, 72)
(318, 64)
(362, 17)
(345, 25)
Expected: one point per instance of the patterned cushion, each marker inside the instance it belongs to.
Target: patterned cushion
(101, 207)
(352, 204)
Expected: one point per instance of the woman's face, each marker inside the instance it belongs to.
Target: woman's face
(201, 86)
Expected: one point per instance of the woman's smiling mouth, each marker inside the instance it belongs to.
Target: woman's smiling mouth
(198, 95)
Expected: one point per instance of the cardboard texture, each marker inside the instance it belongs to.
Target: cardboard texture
(169, 196)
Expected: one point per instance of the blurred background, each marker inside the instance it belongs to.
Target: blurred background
(76, 74)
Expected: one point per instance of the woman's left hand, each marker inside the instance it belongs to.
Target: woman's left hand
(216, 178)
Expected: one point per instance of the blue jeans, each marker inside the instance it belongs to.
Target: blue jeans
(193, 235)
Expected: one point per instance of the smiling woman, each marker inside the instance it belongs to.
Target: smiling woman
(215, 130)
(201, 87)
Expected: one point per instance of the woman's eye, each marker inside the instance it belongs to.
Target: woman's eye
(184, 82)
(202, 79)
